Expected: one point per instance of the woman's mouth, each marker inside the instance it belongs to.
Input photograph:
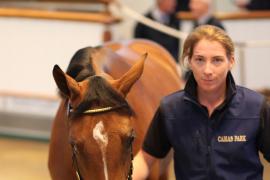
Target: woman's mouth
(208, 81)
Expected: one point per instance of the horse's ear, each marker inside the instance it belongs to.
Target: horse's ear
(124, 84)
(66, 84)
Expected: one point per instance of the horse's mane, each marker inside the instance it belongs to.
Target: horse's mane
(99, 94)
(80, 66)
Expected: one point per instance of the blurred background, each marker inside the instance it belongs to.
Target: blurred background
(37, 34)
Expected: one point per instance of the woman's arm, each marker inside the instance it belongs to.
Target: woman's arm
(142, 165)
(264, 136)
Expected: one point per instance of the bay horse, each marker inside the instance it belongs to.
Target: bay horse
(109, 94)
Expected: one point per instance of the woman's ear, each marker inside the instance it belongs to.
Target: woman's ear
(232, 62)
(188, 63)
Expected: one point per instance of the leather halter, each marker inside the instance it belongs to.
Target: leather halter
(74, 148)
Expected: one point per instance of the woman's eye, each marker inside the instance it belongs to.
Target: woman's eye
(217, 60)
(199, 60)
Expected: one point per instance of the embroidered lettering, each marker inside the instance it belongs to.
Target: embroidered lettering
(235, 138)
(225, 138)
(241, 138)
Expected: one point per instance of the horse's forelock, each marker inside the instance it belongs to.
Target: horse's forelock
(100, 94)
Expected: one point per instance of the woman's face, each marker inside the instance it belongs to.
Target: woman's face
(210, 65)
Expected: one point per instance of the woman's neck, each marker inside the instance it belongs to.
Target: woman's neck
(212, 99)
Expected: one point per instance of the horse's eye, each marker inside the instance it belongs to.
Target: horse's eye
(74, 147)
(131, 138)
(69, 109)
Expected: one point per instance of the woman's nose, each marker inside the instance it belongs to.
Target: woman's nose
(208, 69)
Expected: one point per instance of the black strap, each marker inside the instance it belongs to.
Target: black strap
(75, 162)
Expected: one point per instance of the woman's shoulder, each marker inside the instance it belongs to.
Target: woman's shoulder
(247, 90)
(248, 94)
(173, 97)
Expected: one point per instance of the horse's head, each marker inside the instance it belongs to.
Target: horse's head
(99, 123)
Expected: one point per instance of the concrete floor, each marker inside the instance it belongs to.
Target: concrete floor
(27, 160)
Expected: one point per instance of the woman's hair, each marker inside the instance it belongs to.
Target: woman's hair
(208, 32)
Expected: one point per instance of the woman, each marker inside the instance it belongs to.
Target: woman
(215, 127)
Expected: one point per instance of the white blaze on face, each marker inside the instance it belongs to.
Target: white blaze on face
(101, 137)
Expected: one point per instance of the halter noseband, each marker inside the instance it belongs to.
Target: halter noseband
(74, 148)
